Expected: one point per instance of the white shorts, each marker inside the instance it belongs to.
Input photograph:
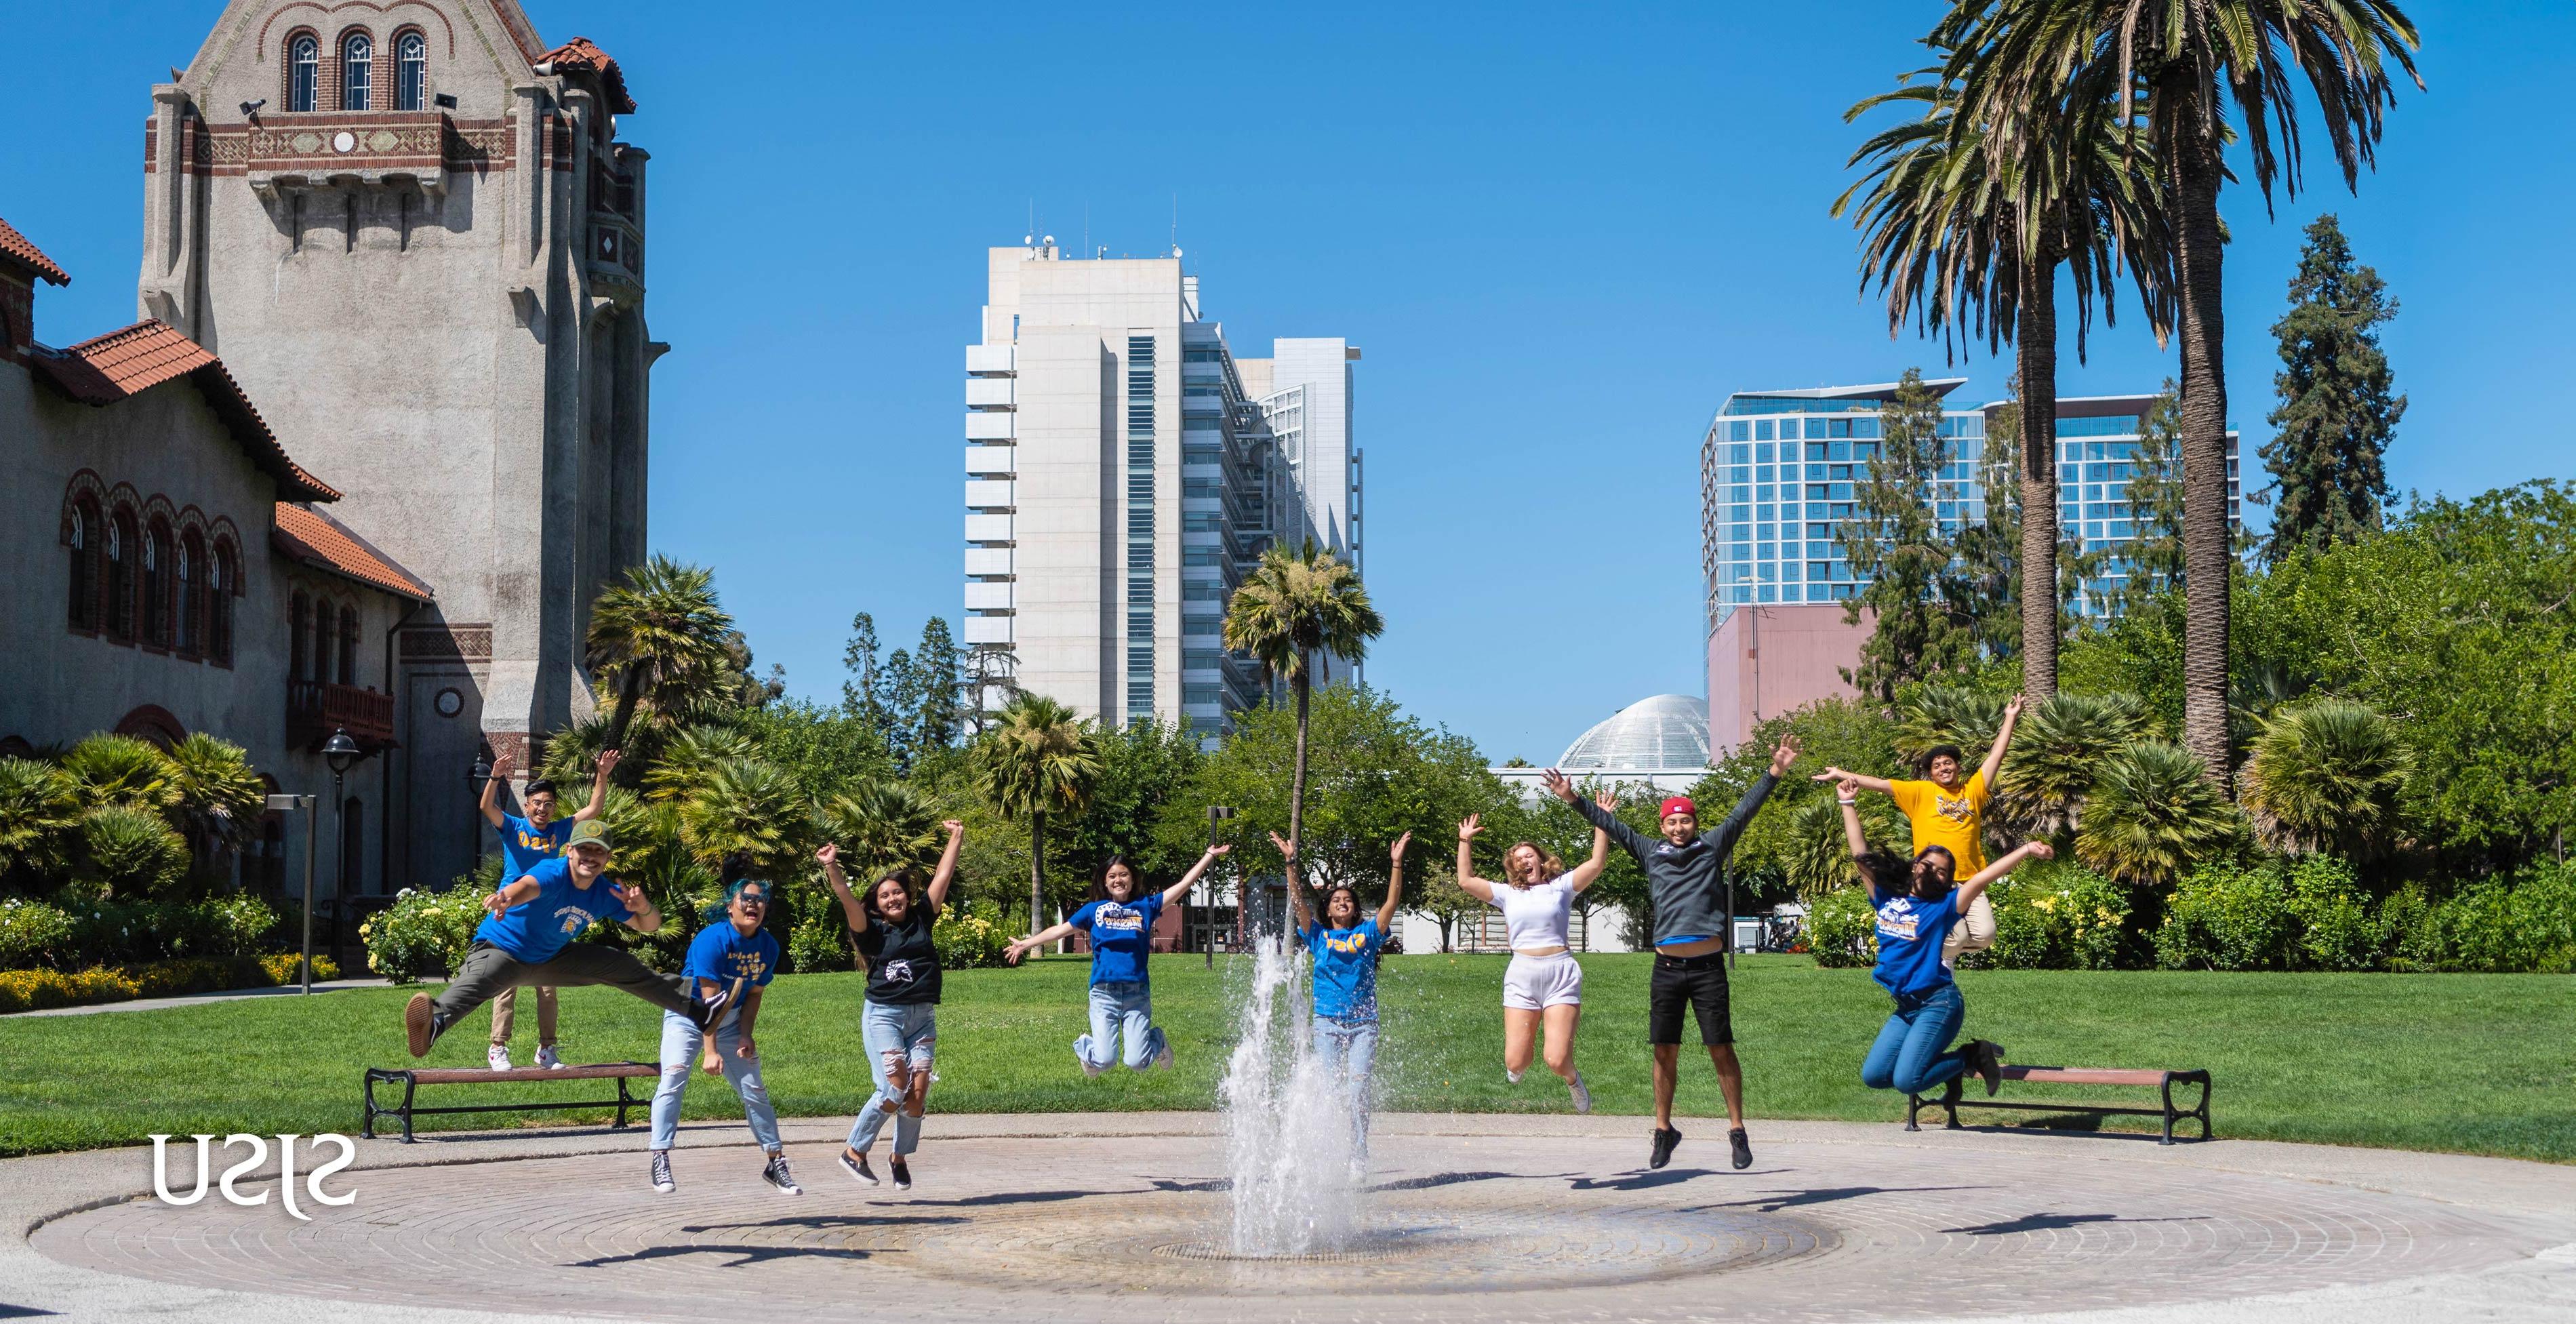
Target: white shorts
(1534, 982)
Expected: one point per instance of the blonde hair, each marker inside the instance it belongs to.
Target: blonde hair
(1549, 866)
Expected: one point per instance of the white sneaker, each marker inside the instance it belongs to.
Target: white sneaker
(546, 1058)
(498, 1057)
(1511, 1078)
(1582, 1093)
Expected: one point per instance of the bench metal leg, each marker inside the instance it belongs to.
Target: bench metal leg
(367, 1092)
(409, 1085)
(2165, 1092)
(622, 1102)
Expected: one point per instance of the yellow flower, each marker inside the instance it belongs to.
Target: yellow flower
(2044, 902)
(431, 911)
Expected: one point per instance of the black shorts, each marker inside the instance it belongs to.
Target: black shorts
(1698, 982)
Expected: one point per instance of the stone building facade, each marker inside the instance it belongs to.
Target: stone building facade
(409, 229)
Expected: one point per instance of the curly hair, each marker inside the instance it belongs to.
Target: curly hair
(1549, 866)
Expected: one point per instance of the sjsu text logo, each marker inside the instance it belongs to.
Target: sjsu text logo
(258, 1155)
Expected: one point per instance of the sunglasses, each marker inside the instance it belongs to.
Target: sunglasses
(750, 899)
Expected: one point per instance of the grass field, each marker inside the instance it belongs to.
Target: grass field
(2472, 1063)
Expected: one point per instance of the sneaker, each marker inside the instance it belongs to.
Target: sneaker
(857, 1166)
(1666, 1138)
(498, 1055)
(1163, 1057)
(776, 1175)
(422, 1024)
(662, 1172)
(1511, 1077)
(1740, 1147)
(1986, 1059)
(1582, 1093)
(902, 1173)
(707, 1013)
(546, 1058)
(1082, 1056)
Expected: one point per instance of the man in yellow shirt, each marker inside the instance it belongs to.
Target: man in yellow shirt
(1950, 813)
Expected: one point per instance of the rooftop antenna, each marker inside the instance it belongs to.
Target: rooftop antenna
(1176, 224)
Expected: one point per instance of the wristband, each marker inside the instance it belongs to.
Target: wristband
(1841, 801)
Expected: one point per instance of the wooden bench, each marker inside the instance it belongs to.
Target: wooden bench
(2162, 1082)
(412, 1080)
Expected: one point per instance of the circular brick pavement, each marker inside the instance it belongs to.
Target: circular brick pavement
(1461, 1227)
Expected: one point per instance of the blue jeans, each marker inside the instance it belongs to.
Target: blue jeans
(681, 1039)
(1349, 1047)
(901, 1041)
(1912, 1054)
(1120, 1011)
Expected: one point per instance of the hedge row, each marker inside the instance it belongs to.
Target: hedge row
(83, 935)
(36, 990)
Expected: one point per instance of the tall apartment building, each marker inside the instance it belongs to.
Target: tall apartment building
(1777, 470)
(1124, 471)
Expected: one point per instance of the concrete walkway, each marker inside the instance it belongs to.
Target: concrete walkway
(198, 999)
(1072, 1217)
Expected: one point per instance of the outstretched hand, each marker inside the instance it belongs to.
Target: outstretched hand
(1221, 848)
(608, 762)
(1287, 849)
(2041, 850)
(2012, 707)
(500, 768)
(827, 854)
(1400, 843)
(1608, 801)
(1557, 785)
(1471, 827)
(1831, 774)
(496, 903)
(1783, 756)
(633, 895)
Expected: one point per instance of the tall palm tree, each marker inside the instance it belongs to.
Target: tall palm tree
(1966, 219)
(1293, 606)
(1034, 758)
(2195, 57)
(661, 637)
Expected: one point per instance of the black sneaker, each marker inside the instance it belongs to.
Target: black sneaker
(1740, 1146)
(707, 1013)
(857, 1166)
(1665, 1139)
(1986, 1059)
(902, 1174)
(662, 1172)
(422, 1024)
(776, 1175)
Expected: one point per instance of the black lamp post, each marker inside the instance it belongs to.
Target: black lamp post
(342, 754)
(475, 777)
(1216, 814)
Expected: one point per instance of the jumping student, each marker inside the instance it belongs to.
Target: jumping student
(1916, 903)
(900, 1022)
(1949, 811)
(733, 958)
(1543, 985)
(1345, 950)
(1685, 872)
(525, 841)
(1121, 929)
(528, 939)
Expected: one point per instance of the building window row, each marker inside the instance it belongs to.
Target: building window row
(321, 640)
(139, 573)
(354, 69)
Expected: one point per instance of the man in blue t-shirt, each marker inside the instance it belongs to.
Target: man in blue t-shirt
(529, 939)
(1345, 948)
(526, 842)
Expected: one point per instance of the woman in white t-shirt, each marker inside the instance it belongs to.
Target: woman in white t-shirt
(1543, 985)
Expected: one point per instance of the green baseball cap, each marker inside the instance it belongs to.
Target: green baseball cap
(589, 832)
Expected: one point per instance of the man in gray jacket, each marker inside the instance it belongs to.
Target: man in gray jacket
(1685, 877)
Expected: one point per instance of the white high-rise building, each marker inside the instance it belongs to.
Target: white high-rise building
(1123, 472)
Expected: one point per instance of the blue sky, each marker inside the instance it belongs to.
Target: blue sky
(1560, 236)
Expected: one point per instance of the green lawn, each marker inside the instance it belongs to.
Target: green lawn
(2475, 1063)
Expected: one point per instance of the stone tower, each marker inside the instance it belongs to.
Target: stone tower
(411, 232)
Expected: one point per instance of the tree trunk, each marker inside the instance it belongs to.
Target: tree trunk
(2035, 351)
(1303, 684)
(2206, 545)
(1037, 863)
(627, 685)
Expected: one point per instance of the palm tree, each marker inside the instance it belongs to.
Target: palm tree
(128, 850)
(747, 813)
(39, 809)
(2326, 777)
(1034, 758)
(1291, 607)
(2057, 753)
(219, 798)
(1937, 714)
(2195, 57)
(2152, 815)
(881, 825)
(661, 637)
(121, 770)
(1965, 221)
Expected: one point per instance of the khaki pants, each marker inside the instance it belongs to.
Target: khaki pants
(1974, 932)
(504, 1005)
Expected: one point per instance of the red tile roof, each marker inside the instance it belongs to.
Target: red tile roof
(307, 535)
(122, 364)
(580, 56)
(14, 245)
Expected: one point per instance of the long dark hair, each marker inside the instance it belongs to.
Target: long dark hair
(1324, 903)
(1100, 878)
(912, 893)
(1898, 876)
(1943, 872)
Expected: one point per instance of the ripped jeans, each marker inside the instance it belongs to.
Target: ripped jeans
(901, 1041)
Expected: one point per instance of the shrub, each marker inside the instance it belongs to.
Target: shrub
(2327, 777)
(36, 990)
(2058, 916)
(2224, 917)
(129, 851)
(2337, 930)
(1842, 929)
(2412, 922)
(30, 990)
(2151, 816)
(39, 808)
(421, 933)
(970, 937)
(282, 968)
(113, 933)
(816, 944)
(33, 934)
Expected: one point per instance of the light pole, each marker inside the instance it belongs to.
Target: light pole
(342, 754)
(278, 804)
(1216, 814)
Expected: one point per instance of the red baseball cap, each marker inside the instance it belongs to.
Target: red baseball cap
(1679, 804)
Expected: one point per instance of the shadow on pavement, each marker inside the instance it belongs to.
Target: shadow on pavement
(1001, 1197)
(1774, 1203)
(749, 1254)
(1439, 1179)
(2048, 1222)
(820, 1221)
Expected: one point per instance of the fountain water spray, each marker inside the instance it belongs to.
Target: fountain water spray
(1288, 1124)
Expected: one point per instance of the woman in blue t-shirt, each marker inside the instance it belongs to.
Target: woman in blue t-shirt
(1120, 926)
(1916, 904)
(1345, 948)
(733, 959)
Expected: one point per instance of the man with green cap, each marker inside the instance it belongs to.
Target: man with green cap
(528, 939)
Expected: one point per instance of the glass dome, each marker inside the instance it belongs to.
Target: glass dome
(1668, 731)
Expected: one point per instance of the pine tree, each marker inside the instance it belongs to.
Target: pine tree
(1894, 539)
(2338, 408)
(2154, 553)
(865, 696)
(938, 663)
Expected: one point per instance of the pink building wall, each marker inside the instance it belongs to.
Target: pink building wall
(1767, 660)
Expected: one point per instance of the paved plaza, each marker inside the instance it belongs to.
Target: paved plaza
(1470, 1218)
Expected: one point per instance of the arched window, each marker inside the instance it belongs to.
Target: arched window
(299, 657)
(348, 645)
(84, 544)
(120, 575)
(357, 62)
(221, 582)
(321, 653)
(156, 586)
(411, 71)
(303, 71)
(188, 635)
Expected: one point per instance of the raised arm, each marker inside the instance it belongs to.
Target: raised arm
(947, 864)
(513, 894)
(1985, 877)
(1994, 764)
(1832, 774)
(1298, 916)
(1601, 819)
(1587, 873)
(1847, 794)
(1722, 837)
(1051, 933)
(491, 802)
(1173, 894)
(1468, 882)
(852, 913)
(1394, 885)
(598, 788)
